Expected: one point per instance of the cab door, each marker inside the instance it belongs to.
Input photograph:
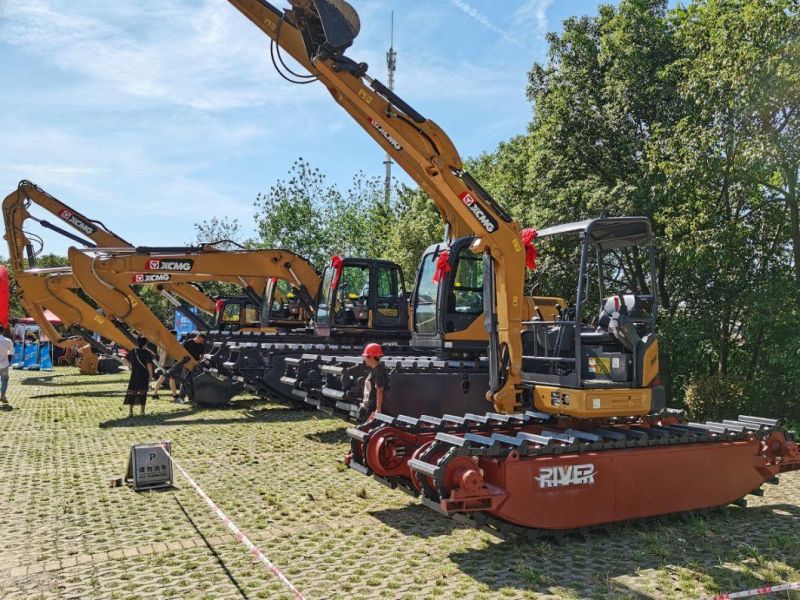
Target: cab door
(391, 304)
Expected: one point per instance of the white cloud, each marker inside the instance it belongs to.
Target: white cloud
(530, 17)
(481, 18)
(202, 55)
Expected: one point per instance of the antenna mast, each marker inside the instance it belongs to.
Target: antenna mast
(391, 64)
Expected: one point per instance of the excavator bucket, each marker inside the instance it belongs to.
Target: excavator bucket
(339, 21)
(210, 391)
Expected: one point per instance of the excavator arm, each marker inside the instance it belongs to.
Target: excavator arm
(55, 291)
(114, 294)
(249, 269)
(316, 33)
(90, 233)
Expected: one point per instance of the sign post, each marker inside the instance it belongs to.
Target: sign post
(150, 466)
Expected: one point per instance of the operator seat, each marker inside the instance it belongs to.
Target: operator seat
(625, 305)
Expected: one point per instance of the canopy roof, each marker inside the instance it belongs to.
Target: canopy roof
(607, 233)
(51, 318)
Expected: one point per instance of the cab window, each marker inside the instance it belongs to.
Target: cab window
(426, 294)
(231, 312)
(467, 294)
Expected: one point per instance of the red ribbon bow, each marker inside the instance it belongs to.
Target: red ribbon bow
(337, 262)
(442, 266)
(528, 235)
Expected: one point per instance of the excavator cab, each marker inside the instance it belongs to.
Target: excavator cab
(283, 306)
(602, 350)
(359, 296)
(448, 300)
(236, 312)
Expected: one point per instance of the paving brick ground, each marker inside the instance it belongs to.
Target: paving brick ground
(64, 533)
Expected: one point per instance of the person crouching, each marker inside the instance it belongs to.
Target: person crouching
(375, 383)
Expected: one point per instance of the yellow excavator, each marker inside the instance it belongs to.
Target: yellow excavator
(599, 447)
(360, 299)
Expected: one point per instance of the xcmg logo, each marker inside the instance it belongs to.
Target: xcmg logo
(489, 224)
(166, 264)
(386, 135)
(550, 477)
(151, 278)
(76, 222)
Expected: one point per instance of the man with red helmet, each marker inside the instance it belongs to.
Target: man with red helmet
(375, 383)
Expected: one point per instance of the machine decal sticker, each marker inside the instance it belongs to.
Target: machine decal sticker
(77, 222)
(386, 135)
(489, 224)
(165, 264)
(140, 278)
(550, 477)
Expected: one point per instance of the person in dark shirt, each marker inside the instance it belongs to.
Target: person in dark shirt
(196, 346)
(141, 360)
(376, 382)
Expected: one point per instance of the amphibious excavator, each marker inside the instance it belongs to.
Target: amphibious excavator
(579, 435)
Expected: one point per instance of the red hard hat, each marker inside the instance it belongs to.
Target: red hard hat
(373, 351)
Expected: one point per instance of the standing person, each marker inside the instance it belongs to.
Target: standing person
(6, 354)
(141, 360)
(376, 382)
(196, 347)
(166, 362)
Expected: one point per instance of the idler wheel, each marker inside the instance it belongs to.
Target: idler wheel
(387, 452)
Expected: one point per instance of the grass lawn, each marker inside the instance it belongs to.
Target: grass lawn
(65, 533)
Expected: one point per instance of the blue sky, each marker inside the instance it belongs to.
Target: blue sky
(155, 114)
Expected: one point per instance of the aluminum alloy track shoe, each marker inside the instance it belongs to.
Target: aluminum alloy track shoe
(453, 419)
(420, 466)
(481, 440)
(493, 416)
(508, 440)
(356, 434)
(475, 418)
(538, 416)
(384, 418)
(292, 381)
(695, 428)
(356, 466)
(745, 425)
(351, 409)
(408, 420)
(674, 431)
(707, 427)
(312, 402)
(428, 420)
(583, 435)
(332, 393)
(759, 420)
(453, 440)
(737, 427)
(536, 439)
(558, 436)
(635, 434)
(613, 435)
(652, 432)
